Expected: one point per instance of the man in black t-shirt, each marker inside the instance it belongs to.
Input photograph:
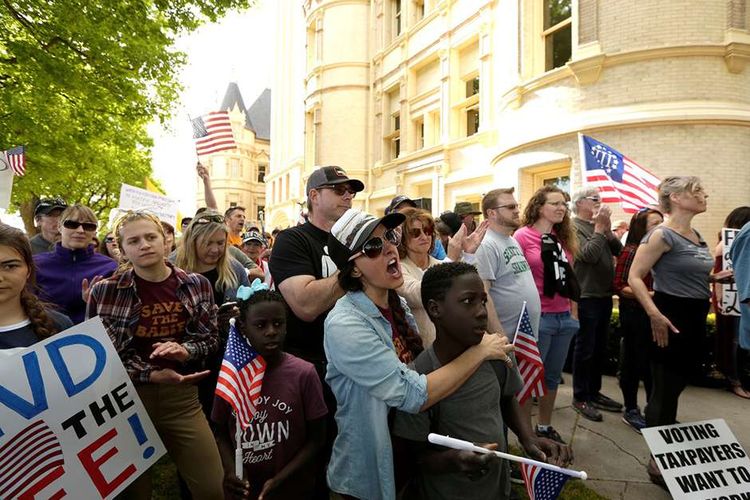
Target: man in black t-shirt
(307, 278)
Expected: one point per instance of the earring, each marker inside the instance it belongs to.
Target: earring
(356, 273)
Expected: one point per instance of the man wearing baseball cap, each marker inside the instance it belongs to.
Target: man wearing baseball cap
(305, 274)
(47, 218)
(399, 202)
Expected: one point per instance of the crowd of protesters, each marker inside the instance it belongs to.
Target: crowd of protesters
(377, 331)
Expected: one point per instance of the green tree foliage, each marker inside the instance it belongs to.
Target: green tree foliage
(80, 80)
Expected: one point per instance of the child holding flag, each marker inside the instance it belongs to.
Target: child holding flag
(282, 421)
(454, 297)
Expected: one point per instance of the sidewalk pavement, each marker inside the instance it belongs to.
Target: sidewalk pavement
(615, 456)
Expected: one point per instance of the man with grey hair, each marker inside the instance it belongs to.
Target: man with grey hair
(594, 268)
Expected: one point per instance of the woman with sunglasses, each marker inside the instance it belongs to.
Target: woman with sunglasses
(204, 251)
(108, 246)
(66, 274)
(369, 340)
(549, 243)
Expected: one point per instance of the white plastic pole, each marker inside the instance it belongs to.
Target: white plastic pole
(460, 444)
(518, 326)
(238, 466)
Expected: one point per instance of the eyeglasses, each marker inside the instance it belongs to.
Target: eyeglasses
(74, 224)
(340, 189)
(374, 246)
(109, 239)
(207, 219)
(509, 206)
(416, 232)
(595, 199)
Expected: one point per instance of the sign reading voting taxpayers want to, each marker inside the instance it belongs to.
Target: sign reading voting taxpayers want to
(71, 423)
(134, 198)
(728, 298)
(701, 460)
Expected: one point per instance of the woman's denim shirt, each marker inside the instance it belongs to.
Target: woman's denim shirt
(367, 379)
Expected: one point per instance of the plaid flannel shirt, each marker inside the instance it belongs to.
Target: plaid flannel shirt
(624, 261)
(116, 302)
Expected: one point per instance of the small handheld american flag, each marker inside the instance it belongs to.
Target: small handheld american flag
(240, 377)
(15, 159)
(213, 133)
(529, 361)
(618, 178)
(543, 484)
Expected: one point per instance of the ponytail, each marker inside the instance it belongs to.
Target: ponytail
(411, 339)
(41, 323)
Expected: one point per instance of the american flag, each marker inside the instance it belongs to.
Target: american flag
(541, 483)
(241, 377)
(213, 133)
(618, 178)
(529, 361)
(15, 158)
(28, 459)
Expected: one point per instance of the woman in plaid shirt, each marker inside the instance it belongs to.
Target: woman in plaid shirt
(162, 322)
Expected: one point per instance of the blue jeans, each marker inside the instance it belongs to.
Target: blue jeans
(590, 347)
(555, 333)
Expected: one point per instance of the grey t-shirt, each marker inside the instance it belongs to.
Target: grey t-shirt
(471, 413)
(40, 245)
(682, 271)
(500, 260)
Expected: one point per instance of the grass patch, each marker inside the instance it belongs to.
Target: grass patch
(165, 480)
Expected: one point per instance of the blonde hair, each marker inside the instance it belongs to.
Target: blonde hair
(124, 220)
(199, 229)
(677, 184)
(79, 212)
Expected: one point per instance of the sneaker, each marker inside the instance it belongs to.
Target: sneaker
(515, 473)
(587, 411)
(550, 433)
(634, 419)
(602, 402)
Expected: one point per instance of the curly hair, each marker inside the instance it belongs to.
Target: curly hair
(411, 338)
(35, 309)
(564, 230)
(415, 215)
(438, 279)
(259, 296)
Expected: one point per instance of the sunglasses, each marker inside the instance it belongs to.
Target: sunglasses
(207, 219)
(374, 246)
(109, 239)
(416, 232)
(509, 206)
(340, 189)
(74, 224)
(595, 199)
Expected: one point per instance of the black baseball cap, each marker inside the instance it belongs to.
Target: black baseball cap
(330, 176)
(47, 205)
(399, 200)
(452, 220)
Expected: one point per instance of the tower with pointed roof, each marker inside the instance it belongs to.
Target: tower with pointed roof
(238, 175)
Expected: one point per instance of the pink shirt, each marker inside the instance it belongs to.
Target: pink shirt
(530, 241)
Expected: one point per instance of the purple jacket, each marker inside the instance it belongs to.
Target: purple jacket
(59, 275)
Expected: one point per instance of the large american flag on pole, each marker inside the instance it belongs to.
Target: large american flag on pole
(618, 178)
(529, 361)
(213, 133)
(240, 377)
(15, 159)
(29, 460)
(541, 483)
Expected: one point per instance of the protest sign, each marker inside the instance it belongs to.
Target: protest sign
(133, 198)
(700, 460)
(728, 298)
(71, 423)
(6, 183)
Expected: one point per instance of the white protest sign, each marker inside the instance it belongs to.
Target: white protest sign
(6, 182)
(71, 423)
(700, 460)
(728, 298)
(133, 198)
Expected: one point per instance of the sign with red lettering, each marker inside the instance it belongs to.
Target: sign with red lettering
(71, 423)
(700, 460)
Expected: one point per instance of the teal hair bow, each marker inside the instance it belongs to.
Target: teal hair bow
(245, 292)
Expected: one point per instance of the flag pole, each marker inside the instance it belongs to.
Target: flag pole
(238, 466)
(518, 326)
(582, 158)
(460, 444)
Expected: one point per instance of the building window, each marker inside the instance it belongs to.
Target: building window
(261, 173)
(396, 18)
(558, 32)
(396, 136)
(392, 126)
(419, 132)
(472, 120)
(235, 170)
(561, 181)
(418, 10)
(472, 86)
(261, 213)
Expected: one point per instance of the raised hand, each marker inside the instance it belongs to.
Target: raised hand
(170, 350)
(87, 285)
